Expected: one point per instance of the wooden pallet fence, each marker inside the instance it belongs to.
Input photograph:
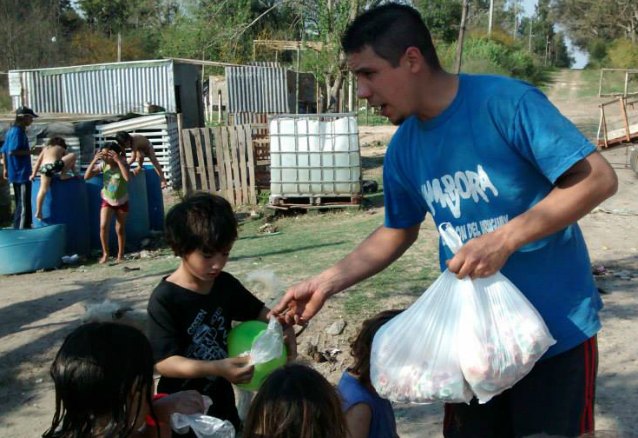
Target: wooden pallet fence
(235, 150)
(220, 160)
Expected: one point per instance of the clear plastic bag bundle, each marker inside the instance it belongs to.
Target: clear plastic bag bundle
(414, 358)
(460, 338)
(269, 345)
(203, 426)
(502, 337)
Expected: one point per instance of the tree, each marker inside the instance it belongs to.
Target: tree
(587, 20)
(27, 31)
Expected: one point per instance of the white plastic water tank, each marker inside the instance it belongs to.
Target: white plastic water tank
(314, 156)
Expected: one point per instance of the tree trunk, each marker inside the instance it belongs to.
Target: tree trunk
(459, 44)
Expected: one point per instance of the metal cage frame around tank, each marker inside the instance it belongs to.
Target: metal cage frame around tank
(315, 176)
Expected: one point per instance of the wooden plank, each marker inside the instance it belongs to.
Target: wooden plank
(252, 195)
(180, 148)
(191, 183)
(243, 144)
(234, 146)
(602, 108)
(227, 157)
(201, 165)
(219, 153)
(208, 150)
(225, 163)
(623, 111)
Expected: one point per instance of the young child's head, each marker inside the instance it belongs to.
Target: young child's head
(110, 146)
(57, 141)
(123, 138)
(103, 377)
(201, 222)
(361, 346)
(295, 402)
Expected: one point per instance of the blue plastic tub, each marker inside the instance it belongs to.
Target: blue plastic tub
(65, 203)
(31, 249)
(155, 199)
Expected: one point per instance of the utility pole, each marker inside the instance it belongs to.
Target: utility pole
(489, 22)
(515, 12)
(459, 44)
(119, 47)
(529, 43)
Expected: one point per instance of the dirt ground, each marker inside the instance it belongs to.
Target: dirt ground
(37, 310)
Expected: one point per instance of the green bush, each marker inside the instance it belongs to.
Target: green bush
(490, 56)
(622, 53)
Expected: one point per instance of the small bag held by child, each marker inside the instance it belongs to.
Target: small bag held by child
(483, 333)
(203, 426)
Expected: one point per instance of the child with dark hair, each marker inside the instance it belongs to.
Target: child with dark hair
(295, 402)
(191, 310)
(103, 376)
(140, 147)
(114, 195)
(53, 159)
(367, 414)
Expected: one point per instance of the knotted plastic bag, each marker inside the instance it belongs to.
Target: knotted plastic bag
(414, 357)
(269, 345)
(203, 426)
(483, 333)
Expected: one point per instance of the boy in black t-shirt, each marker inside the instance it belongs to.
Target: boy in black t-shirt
(191, 310)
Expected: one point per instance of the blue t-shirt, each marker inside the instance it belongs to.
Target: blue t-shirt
(18, 166)
(494, 153)
(383, 424)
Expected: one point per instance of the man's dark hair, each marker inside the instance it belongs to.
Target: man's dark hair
(389, 30)
(122, 137)
(202, 222)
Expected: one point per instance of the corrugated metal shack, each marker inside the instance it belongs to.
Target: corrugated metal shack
(112, 88)
(269, 90)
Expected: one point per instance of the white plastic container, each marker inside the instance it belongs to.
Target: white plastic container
(314, 156)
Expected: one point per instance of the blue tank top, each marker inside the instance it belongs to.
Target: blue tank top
(353, 392)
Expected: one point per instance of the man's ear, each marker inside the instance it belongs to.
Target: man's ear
(413, 59)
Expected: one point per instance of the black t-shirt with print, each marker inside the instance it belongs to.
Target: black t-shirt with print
(196, 326)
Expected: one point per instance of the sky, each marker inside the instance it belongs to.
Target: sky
(580, 57)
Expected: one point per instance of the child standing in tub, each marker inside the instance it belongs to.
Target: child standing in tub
(114, 195)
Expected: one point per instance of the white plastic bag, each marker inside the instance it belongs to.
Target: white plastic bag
(483, 329)
(414, 356)
(203, 426)
(269, 345)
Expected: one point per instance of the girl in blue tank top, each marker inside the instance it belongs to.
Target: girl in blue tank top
(367, 414)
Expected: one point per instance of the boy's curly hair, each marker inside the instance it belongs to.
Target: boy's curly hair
(202, 222)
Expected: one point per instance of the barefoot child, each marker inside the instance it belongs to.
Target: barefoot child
(53, 159)
(114, 195)
(191, 310)
(367, 414)
(103, 376)
(140, 147)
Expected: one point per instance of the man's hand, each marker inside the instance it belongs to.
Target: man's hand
(300, 303)
(482, 256)
(236, 369)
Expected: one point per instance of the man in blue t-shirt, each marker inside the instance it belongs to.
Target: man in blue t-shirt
(495, 158)
(16, 156)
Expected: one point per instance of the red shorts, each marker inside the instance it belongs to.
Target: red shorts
(123, 207)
